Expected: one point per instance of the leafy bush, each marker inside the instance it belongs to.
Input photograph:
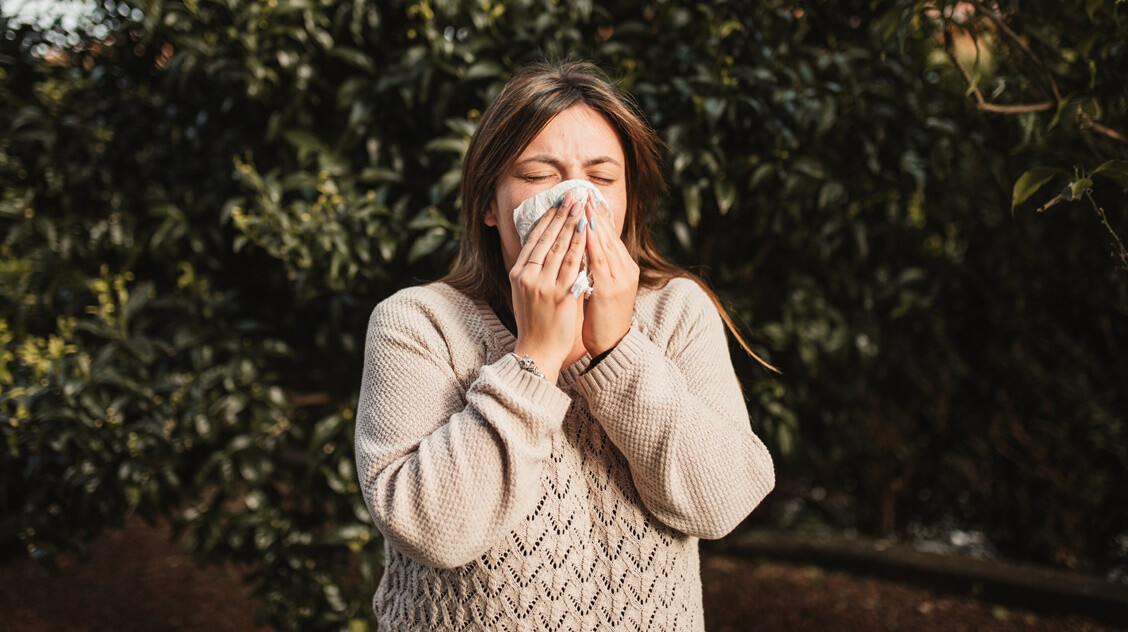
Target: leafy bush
(202, 201)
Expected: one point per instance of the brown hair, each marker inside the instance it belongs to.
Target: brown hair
(527, 102)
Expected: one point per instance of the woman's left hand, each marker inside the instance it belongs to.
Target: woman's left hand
(614, 277)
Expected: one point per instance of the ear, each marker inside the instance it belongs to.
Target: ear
(490, 218)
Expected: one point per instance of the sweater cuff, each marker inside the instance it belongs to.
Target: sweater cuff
(539, 392)
(620, 360)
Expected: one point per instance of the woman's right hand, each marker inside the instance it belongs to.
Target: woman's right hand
(541, 280)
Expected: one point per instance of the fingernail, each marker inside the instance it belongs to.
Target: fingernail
(591, 224)
(581, 225)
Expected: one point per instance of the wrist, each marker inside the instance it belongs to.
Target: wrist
(545, 358)
(528, 364)
(546, 363)
(603, 347)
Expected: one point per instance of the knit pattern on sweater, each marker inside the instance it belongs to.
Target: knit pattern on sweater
(508, 503)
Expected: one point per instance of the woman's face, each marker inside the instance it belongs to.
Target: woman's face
(578, 143)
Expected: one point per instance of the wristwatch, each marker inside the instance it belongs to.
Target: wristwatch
(528, 364)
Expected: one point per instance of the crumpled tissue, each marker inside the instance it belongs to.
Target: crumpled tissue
(525, 216)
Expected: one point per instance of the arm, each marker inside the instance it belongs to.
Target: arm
(445, 473)
(679, 418)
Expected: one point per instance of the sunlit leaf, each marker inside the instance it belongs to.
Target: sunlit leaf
(1029, 183)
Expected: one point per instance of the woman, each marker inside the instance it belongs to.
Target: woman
(538, 461)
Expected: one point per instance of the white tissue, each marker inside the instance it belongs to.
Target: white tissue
(525, 216)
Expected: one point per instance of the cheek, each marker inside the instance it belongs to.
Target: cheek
(507, 232)
(617, 202)
(509, 197)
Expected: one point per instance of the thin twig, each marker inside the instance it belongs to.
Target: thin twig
(1107, 131)
(1016, 109)
(1121, 251)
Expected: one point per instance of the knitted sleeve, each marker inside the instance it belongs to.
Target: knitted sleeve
(678, 416)
(445, 470)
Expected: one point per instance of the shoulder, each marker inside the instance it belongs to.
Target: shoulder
(433, 302)
(679, 306)
(679, 298)
(430, 315)
(432, 321)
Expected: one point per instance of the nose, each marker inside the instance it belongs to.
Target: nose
(574, 171)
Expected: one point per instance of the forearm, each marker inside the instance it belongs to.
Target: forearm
(444, 484)
(697, 464)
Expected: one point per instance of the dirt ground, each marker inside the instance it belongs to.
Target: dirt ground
(136, 580)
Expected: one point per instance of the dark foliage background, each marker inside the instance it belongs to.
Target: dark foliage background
(203, 199)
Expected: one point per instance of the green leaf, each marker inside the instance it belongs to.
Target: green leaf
(1114, 169)
(1029, 183)
(304, 141)
(1061, 105)
(691, 195)
(427, 243)
(354, 57)
(726, 195)
(760, 174)
(452, 145)
(482, 70)
(429, 217)
(1079, 187)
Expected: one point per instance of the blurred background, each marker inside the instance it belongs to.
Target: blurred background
(915, 209)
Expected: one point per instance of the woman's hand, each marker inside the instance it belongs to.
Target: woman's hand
(614, 274)
(541, 279)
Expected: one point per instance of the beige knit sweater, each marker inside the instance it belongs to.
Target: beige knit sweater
(509, 503)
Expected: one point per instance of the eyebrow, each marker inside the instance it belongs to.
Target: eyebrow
(551, 160)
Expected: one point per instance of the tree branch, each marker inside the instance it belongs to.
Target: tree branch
(1119, 251)
(1088, 121)
(1016, 109)
(981, 102)
(1014, 38)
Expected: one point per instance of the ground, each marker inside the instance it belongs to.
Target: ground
(136, 580)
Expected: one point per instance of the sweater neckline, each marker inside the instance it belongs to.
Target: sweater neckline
(506, 341)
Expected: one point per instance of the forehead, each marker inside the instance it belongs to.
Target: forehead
(578, 131)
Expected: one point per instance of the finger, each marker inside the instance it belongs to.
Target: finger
(606, 218)
(616, 249)
(558, 250)
(570, 265)
(534, 234)
(539, 247)
(596, 251)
